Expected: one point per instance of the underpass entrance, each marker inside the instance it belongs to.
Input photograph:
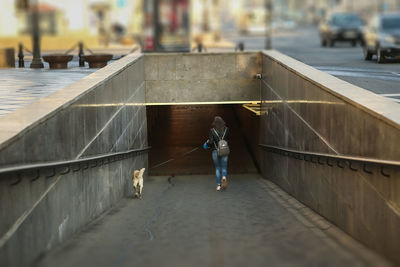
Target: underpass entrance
(176, 134)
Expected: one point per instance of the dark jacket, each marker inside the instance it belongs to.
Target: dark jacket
(213, 141)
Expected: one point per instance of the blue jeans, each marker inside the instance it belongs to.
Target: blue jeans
(221, 164)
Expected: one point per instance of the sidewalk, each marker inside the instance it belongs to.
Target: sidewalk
(20, 87)
(188, 223)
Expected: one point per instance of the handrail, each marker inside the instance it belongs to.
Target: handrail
(310, 156)
(82, 163)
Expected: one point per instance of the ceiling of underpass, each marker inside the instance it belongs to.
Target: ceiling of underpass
(177, 133)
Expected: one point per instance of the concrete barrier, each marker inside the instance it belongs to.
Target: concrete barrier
(102, 113)
(310, 110)
(202, 77)
(7, 58)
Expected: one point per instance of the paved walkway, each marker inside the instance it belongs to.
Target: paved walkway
(188, 223)
(20, 87)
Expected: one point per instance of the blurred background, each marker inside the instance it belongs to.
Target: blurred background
(171, 25)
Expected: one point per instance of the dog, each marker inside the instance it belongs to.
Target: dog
(137, 179)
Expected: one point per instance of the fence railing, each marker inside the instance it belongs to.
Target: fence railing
(332, 160)
(80, 46)
(50, 169)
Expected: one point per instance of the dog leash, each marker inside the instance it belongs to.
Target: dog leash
(172, 159)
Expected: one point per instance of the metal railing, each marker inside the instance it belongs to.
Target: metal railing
(64, 167)
(21, 49)
(332, 160)
(79, 45)
(199, 47)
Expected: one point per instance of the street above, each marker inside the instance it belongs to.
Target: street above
(343, 60)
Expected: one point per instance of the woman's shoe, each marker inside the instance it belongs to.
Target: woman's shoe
(224, 183)
(218, 188)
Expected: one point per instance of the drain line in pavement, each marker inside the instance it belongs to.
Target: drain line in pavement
(157, 214)
(147, 224)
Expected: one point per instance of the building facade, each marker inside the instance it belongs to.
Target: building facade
(60, 17)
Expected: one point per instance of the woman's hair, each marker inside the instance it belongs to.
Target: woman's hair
(218, 123)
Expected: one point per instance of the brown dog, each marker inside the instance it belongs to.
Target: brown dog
(137, 179)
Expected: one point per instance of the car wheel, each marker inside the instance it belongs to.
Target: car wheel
(323, 42)
(353, 43)
(367, 54)
(380, 57)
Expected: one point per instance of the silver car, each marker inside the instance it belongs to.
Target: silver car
(382, 37)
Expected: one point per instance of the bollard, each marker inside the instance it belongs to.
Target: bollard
(199, 47)
(81, 54)
(21, 63)
(240, 46)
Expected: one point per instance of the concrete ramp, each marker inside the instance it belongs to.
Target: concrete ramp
(187, 223)
(100, 127)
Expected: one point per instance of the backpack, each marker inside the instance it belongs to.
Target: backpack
(222, 147)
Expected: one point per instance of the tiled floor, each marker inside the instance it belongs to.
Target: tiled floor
(20, 87)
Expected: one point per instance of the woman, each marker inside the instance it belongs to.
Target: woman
(217, 133)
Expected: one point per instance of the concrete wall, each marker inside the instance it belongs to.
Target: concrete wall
(249, 126)
(313, 111)
(102, 113)
(202, 77)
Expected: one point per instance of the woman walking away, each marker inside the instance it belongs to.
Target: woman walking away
(218, 142)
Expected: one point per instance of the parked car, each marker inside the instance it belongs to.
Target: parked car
(344, 27)
(382, 37)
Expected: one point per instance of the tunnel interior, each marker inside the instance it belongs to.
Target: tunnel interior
(176, 134)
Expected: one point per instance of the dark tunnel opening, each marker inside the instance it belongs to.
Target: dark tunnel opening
(176, 134)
